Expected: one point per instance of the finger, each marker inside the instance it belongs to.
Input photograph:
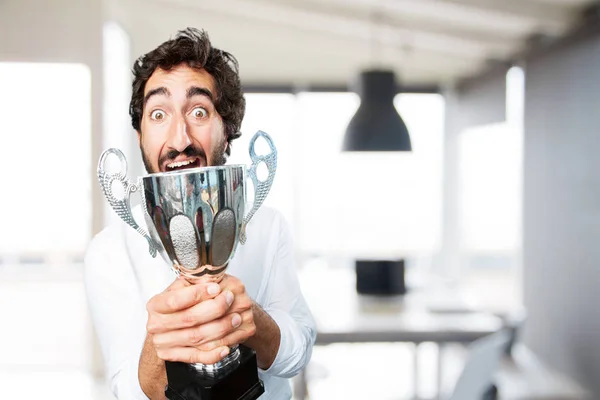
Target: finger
(201, 313)
(192, 355)
(204, 312)
(197, 335)
(241, 303)
(184, 297)
(230, 340)
(232, 283)
(242, 333)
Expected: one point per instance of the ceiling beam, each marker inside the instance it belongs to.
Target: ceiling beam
(503, 19)
(268, 59)
(354, 28)
(552, 18)
(289, 88)
(391, 14)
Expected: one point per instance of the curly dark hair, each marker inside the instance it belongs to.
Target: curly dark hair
(192, 47)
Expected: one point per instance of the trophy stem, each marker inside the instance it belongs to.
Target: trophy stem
(230, 362)
(206, 278)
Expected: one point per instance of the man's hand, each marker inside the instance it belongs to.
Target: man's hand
(241, 314)
(198, 324)
(258, 330)
(188, 322)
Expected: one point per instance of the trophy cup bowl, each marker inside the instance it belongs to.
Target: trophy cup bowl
(196, 219)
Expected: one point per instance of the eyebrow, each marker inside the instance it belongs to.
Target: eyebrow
(199, 91)
(155, 92)
(191, 92)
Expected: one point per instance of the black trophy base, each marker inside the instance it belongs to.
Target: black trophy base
(240, 383)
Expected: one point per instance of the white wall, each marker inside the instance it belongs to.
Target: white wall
(562, 209)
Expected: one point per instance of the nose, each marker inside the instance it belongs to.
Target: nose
(179, 138)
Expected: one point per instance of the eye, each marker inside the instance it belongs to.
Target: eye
(199, 112)
(157, 115)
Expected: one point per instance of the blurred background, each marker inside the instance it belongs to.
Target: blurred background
(464, 266)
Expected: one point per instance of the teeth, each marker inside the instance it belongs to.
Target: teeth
(181, 163)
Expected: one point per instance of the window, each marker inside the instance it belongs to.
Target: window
(273, 114)
(490, 179)
(490, 205)
(45, 156)
(319, 189)
(490, 170)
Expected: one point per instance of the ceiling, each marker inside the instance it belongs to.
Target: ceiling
(326, 42)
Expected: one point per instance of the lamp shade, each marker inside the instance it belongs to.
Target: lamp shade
(376, 126)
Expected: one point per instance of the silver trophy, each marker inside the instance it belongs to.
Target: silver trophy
(195, 219)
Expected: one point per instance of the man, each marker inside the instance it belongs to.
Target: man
(187, 107)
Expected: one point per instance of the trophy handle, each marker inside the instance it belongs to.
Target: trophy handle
(261, 188)
(122, 205)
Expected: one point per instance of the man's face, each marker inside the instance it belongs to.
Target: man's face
(180, 127)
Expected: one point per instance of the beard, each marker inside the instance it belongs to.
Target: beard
(218, 156)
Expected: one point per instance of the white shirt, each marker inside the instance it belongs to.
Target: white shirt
(121, 276)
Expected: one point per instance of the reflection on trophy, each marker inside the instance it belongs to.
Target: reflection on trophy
(195, 219)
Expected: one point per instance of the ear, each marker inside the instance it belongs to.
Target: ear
(139, 138)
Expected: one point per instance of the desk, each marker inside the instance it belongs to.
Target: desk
(342, 316)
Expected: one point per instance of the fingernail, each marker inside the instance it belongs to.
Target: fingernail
(236, 320)
(225, 352)
(229, 297)
(213, 289)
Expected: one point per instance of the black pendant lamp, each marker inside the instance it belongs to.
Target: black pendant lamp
(376, 126)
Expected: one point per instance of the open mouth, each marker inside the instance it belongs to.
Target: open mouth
(193, 162)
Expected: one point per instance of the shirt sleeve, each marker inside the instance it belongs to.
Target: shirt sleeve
(117, 313)
(288, 308)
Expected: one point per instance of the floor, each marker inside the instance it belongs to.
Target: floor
(377, 371)
(51, 383)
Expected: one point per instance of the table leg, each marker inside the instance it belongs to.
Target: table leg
(416, 371)
(440, 370)
(301, 386)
